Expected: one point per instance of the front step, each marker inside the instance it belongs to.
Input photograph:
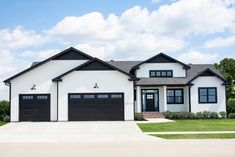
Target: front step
(152, 115)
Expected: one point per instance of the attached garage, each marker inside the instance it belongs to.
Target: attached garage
(34, 107)
(95, 106)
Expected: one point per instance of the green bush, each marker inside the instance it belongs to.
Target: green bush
(231, 115)
(206, 114)
(214, 115)
(231, 106)
(4, 109)
(139, 117)
(199, 115)
(6, 118)
(222, 114)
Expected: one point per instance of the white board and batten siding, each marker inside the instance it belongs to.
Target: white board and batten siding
(42, 77)
(108, 81)
(177, 68)
(208, 81)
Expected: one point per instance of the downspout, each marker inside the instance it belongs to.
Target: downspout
(57, 99)
(9, 99)
(189, 95)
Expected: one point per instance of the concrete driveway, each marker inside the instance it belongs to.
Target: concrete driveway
(72, 132)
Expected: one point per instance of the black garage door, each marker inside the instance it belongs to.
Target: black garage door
(34, 107)
(96, 106)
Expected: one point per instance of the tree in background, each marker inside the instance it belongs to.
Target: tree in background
(227, 68)
(4, 109)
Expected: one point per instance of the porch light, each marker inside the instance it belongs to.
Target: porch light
(96, 86)
(34, 87)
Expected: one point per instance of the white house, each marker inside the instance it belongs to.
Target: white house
(73, 86)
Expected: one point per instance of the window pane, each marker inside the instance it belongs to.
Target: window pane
(170, 99)
(152, 73)
(202, 92)
(203, 99)
(163, 73)
(178, 92)
(178, 99)
(211, 98)
(169, 73)
(158, 73)
(170, 93)
(211, 91)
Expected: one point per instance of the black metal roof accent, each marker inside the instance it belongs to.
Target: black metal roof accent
(161, 58)
(80, 67)
(47, 60)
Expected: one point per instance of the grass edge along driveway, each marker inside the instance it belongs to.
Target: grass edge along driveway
(190, 125)
(3, 123)
(196, 136)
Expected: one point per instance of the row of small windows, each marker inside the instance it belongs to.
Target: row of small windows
(160, 73)
(92, 96)
(30, 97)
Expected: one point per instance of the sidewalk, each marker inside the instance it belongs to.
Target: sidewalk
(191, 132)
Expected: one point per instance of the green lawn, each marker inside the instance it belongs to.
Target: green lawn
(197, 136)
(190, 125)
(2, 123)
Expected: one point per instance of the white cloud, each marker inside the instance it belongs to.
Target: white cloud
(41, 55)
(221, 42)
(197, 57)
(19, 38)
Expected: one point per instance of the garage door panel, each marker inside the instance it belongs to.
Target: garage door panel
(96, 106)
(34, 107)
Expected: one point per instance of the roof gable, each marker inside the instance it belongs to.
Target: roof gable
(161, 58)
(207, 72)
(69, 50)
(94, 64)
(72, 54)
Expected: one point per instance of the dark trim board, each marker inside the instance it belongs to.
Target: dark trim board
(34, 109)
(216, 98)
(182, 90)
(96, 107)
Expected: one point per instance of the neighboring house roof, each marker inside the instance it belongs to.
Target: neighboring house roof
(195, 71)
(96, 67)
(75, 51)
(161, 58)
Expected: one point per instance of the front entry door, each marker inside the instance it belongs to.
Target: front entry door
(149, 101)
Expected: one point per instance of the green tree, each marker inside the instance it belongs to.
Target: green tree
(227, 69)
(4, 109)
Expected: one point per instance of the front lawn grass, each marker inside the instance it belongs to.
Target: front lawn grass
(197, 136)
(2, 123)
(190, 125)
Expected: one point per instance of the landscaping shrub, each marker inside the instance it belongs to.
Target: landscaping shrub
(231, 106)
(231, 115)
(6, 119)
(199, 115)
(222, 114)
(139, 117)
(4, 109)
(214, 115)
(206, 114)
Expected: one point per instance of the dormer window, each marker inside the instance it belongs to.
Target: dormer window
(160, 73)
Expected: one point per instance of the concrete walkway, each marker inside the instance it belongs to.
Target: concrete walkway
(191, 132)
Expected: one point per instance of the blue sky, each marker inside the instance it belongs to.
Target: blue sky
(193, 31)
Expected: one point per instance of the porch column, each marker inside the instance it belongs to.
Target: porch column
(138, 99)
(164, 99)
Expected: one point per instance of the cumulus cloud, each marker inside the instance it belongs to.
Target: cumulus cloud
(197, 57)
(220, 42)
(19, 38)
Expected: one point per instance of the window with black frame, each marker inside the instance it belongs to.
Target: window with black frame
(175, 96)
(207, 94)
(160, 73)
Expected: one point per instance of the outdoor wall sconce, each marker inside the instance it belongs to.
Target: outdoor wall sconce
(34, 87)
(96, 86)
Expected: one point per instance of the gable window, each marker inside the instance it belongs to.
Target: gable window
(160, 73)
(175, 96)
(207, 94)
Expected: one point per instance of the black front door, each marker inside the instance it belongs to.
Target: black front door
(149, 97)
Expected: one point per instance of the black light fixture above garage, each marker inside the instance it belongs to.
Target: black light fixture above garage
(34, 87)
(96, 86)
